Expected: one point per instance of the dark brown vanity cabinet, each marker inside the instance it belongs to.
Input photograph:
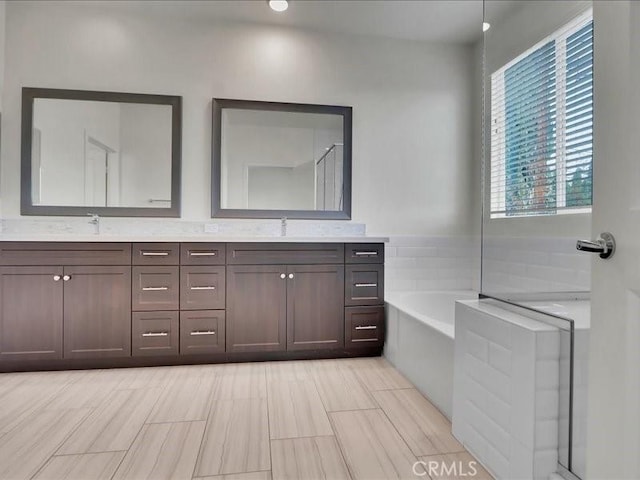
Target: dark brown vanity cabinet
(85, 308)
(256, 308)
(202, 331)
(31, 310)
(75, 304)
(315, 307)
(154, 333)
(285, 307)
(285, 296)
(155, 288)
(364, 295)
(97, 311)
(182, 288)
(202, 288)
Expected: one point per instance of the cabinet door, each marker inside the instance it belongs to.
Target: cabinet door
(315, 307)
(97, 312)
(30, 313)
(256, 308)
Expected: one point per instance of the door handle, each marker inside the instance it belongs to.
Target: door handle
(605, 246)
(66, 278)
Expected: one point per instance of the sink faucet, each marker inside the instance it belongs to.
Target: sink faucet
(283, 227)
(95, 221)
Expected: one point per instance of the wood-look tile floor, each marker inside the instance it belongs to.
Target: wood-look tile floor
(317, 419)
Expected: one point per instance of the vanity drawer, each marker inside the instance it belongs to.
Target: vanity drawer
(364, 285)
(202, 253)
(364, 327)
(156, 254)
(70, 253)
(364, 253)
(202, 288)
(155, 288)
(154, 333)
(285, 253)
(202, 331)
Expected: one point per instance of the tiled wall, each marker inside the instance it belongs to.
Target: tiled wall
(430, 263)
(534, 264)
(506, 393)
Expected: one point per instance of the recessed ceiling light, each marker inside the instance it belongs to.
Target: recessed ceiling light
(485, 26)
(278, 5)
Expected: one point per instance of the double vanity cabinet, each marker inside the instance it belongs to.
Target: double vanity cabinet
(72, 304)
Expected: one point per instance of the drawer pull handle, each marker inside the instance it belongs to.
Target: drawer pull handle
(362, 254)
(155, 334)
(366, 327)
(155, 254)
(154, 289)
(203, 288)
(196, 333)
(202, 254)
(366, 285)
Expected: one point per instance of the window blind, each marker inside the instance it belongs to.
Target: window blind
(542, 126)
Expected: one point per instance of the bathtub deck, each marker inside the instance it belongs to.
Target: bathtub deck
(331, 419)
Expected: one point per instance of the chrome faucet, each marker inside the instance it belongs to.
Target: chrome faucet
(95, 221)
(283, 227)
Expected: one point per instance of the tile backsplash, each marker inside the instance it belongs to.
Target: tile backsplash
(511, 264)
(534, 264)
(414, 263)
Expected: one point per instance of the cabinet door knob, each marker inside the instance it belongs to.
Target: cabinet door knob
(283, 276)
(291, 275)
(56, 278)
(66, 278)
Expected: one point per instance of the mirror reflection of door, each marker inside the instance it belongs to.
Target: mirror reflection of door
(36, 169)
(100, 174)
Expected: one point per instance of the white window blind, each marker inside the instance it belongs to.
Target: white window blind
(542, 126)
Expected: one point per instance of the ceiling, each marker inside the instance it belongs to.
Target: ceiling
(448, 21)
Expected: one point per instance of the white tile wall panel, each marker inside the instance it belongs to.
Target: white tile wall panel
(505, 406)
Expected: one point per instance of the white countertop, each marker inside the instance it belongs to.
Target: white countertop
(183, 238)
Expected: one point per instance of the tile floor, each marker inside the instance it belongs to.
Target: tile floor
(324, 419)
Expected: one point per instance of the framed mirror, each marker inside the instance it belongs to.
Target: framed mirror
(274, 160)
(104, 153)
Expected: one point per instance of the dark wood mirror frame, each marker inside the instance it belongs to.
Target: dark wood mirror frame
(26, 203)
(216, 153)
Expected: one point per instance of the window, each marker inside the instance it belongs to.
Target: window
(542, 126)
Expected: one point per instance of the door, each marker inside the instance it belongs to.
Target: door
(30, 313)
(256, 308)
(614, 364)
(315, 307)
(97, 312)
(96, 179)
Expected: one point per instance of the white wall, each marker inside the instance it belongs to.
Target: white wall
(412, 101)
